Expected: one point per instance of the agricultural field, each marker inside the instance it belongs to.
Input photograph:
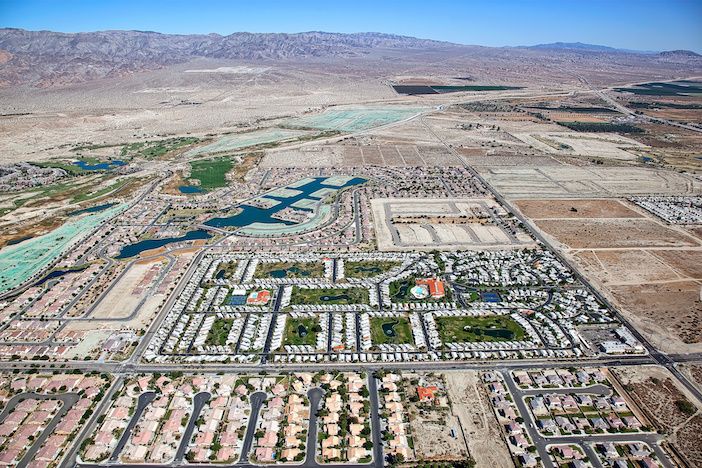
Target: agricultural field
(673, 88)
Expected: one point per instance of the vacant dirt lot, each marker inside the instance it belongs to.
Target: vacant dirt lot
(667, 312)
(658, 395)
(626, 266)
(126, 294)
(687, 262)
(474, 411)
(569, 208)
(612, 233)
(586, 182)
(693, 372)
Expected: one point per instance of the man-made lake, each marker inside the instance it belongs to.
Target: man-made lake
(103, 166)
(303, 190)
(188, 189)
(92, 209)
(135, 249)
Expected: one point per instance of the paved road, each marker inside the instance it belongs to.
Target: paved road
(542, 442)
(658, 356)
(315, 395)
(70, 459)
(199, 402)
(257, 399)
(144, 399)
(599, 389)
(67, 400)
(378, 457)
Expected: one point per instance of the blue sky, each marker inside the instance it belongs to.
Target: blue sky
(640, 24)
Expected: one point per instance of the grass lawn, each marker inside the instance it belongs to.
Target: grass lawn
(490, 328)
(156, 149)
(225, 270)
(211, 172)
(390, 330)
(367, 268)
(219, 332)
(301, 331)
(290, 270)
(329, 296)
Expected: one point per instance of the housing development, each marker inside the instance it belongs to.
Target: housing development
(464, 258)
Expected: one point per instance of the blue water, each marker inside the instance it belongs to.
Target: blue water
(92, 209)
(105, 166)
(283, 273)
(135, 249)
(251, 214)
(18, 240)
(56, 274)
(189, 189)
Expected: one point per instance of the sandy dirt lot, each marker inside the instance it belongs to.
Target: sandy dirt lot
(693, 372)
(587, 182)
(433, 440)
(582, 144)
(126, 294)
(687, 262)
(471, 406)
(553, 209)
(667, 312)
(621, 267)
(362, 154)
(656, 392)
(613, 233)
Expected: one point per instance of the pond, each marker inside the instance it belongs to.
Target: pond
(135, 249)
(190, 189)
(92, 209)
(102, 166)
(56, 274)
(338, 297)
(389, 329)
(374, 270)
(302, 331)
(17, 240)
(283, 272)
(501, 333)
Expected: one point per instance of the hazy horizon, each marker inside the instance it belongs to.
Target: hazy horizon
(642, 25)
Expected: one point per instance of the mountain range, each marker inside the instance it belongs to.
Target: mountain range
(46, 58)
